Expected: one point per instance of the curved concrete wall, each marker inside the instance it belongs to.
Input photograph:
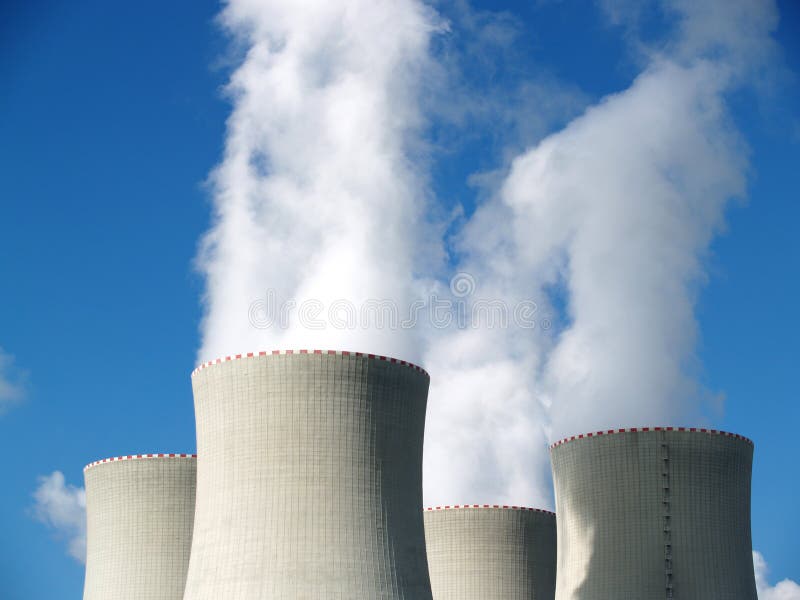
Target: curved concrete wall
(139, 513)
(654, 513)
(491, 553)
(309, 478)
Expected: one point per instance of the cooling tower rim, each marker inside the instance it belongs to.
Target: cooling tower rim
(135, 457)
(489, 506)
(380, 357)
(607, 432)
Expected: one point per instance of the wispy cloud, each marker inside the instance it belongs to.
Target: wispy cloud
(62, 507)
(783, 590)
(13, 382)
(496, 95)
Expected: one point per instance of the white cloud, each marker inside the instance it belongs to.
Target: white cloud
(619, 208)
(62, 507)
(12, 382)
(321, 194)
(783, 590)
(484, 432)
(606, 225)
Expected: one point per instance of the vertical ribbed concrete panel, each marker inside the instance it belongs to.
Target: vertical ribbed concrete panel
(491, 553)
(654, 513)
(140, 511)
(309, 478)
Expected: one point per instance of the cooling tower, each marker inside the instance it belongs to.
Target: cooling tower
(654, 513)
(139, 513)
(483, 552)
(309, 478)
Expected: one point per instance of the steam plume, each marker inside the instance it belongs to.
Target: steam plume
(319, 196)
(323, 195)
(606, 224)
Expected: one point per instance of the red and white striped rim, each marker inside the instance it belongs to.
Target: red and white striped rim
(136, 457)
(500, 506)
(652, 429)
(389, 359)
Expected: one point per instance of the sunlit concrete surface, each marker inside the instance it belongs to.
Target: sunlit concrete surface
(309, 479)
(140, 512)
(488, 553)
(654, 514)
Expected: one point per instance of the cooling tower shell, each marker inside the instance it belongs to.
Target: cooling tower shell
(654, 513)
(309, 478)
(491, 552)
(140, 510)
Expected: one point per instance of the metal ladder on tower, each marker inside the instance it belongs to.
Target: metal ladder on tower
(667, 516)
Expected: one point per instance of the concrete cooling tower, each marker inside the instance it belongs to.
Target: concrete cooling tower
(139, 513)
(309, 478)
(654, 513)
(490, 552)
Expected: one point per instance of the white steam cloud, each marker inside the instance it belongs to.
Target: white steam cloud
(783, 590)
(319, 197)
(606, 225)
(62, 507)
(323, 195)
(618, 209)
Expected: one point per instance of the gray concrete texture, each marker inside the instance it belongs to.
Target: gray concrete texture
(309, 479)
(139, 512)
(488, 553)
(650, 514)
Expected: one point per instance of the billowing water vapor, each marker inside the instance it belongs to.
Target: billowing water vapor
(319, 207)
(605, 225)
(624, 203)
(597, 236)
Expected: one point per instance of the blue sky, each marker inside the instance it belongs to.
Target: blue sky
(112, 120)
